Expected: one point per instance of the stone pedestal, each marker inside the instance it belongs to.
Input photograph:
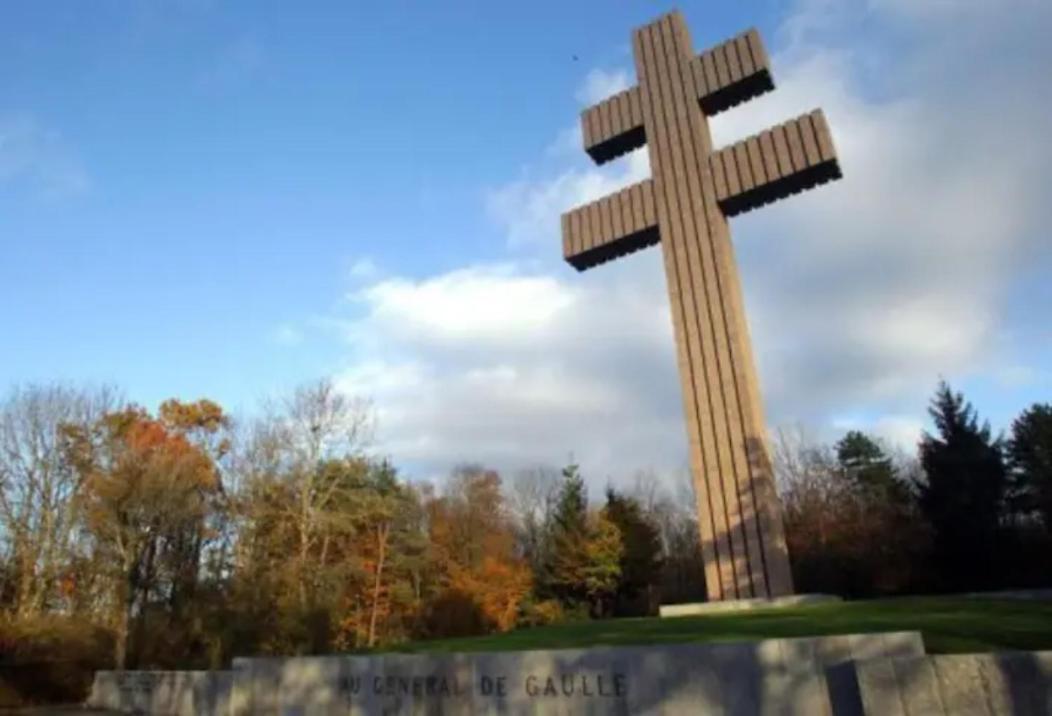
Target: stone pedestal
(694, 609)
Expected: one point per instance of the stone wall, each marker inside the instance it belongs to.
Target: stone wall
(1016, 683)
(172, 693)
(787, 676)
(880, 674)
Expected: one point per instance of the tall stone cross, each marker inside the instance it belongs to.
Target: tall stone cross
(684, 207)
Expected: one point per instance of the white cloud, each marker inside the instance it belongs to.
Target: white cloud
(37, 157)
(529, 210)
(499, 364)
(901, 430)
(861, 294)
(468, 305)
(363, 268)
(897, 430)
(600, 84)
(865, 291)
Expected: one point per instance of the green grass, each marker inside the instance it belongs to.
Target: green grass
(949, 624)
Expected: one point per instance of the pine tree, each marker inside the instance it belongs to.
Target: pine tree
(562, 575)
(571, 509)
(864, 462)
(641, 555)
(963, 494)
(1030, 456)
(583, 568)
(872, 474)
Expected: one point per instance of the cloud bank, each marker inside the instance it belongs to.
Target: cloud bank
(860, 294)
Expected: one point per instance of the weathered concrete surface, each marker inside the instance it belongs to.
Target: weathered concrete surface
(163, 692)
(693, 609)
(784, 676)
(1015, 683)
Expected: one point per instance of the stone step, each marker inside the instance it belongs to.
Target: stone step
(1016, 683)
(694, 609)
(788, 676)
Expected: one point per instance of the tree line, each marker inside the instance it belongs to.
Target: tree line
(971, 511)
(183, 537)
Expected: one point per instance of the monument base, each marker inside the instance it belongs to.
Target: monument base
(793, 677)
(694, 609)
(871, 674)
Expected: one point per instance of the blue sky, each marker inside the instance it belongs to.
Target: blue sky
(202, 198)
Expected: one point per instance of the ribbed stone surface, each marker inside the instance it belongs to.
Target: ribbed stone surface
(684, 205)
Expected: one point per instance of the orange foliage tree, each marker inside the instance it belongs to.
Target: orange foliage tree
(143, 484)
(482, 579)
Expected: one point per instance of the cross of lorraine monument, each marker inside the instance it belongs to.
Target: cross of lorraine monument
(684, 207)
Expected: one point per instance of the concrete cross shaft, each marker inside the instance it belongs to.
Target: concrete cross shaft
(684, 207)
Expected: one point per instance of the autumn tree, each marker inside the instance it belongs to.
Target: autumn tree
(205, 426)
(331, 548)
(315, 423)
(851, 523)
(600, 574)
(814, 502)
(532, 497)
(40, 493)
(143, 485)
(483, 578)
(387, 546)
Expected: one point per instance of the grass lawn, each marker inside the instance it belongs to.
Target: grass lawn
(949, 624)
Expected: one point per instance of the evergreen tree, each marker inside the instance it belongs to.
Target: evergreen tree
(641, 553)
(571, 508)
(583, 568)
(567, 540)
(872, 476)
(864, 461)
(1030, 456)
(963, 493)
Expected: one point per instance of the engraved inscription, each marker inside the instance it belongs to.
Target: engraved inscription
(611, 685)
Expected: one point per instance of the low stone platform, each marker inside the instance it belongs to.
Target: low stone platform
(163, 692)
(787, 676)
(1016, 683)
(849, 675)
(734, 605)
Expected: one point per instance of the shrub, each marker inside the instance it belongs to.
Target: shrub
(543, 613)
(50, 659)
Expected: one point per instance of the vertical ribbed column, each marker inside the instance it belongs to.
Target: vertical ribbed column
(742, 540)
